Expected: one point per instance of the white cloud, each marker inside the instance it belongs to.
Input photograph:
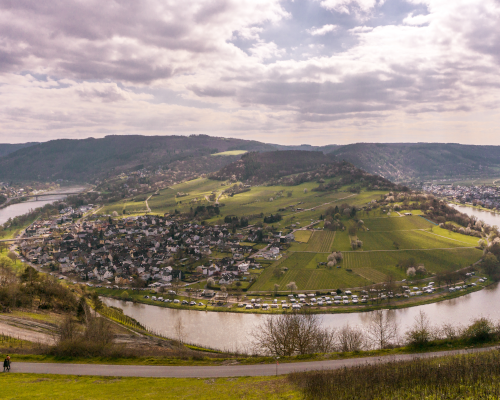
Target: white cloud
(346, 6)
(87, 77)
(323, 30)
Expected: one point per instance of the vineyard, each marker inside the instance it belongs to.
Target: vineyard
(321, 242)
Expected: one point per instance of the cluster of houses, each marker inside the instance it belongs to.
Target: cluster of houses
(146, 250)
(8, 191)
(485, 196)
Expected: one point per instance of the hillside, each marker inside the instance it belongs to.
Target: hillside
(294, 167)
(7, 148)
(81, 160)
(410, 161)
(90, 159)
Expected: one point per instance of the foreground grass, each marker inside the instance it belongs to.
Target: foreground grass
(472, 376)
(67, 387)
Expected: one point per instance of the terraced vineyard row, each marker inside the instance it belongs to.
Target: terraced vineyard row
(321, 241)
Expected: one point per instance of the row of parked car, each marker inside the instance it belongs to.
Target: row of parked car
(175, 301)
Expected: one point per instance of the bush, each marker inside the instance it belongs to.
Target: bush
(481, 330)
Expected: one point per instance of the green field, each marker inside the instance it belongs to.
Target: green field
(407, 240)
(367, 268)
(396, 224)
(68, 387)
(230, 153)
(255, 201)
(321, 242)
(302, 269)
(342, 241)
(302, 236)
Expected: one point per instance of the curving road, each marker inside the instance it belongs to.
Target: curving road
(147, 371)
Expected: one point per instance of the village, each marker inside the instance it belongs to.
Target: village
(484, 196)
(144, 251)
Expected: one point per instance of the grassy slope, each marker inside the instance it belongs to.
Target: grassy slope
(404, 234)
(230, 153)
(34, 386)
(368, 265)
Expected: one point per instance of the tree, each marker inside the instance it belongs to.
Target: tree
(12, 256)
(491, 266)
(210, 282)
(292, 286)
(292, 333)
(29, 275)
(382, 329)
(82, 310)
(420, 333)
(276, 288)
(179, 330)
(350, 339)
(97, 302)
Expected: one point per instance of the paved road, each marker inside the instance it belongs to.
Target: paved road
(216, 371)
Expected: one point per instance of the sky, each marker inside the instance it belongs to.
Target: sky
(278, 71)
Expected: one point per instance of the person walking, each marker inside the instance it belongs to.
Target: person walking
(6, 364)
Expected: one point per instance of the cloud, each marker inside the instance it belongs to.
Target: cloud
(126, 41)
(323, 30)
(346, 6)
(79, 69)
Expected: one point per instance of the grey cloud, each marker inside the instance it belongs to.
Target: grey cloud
(212, 91)
(107, 94)
(78, 39)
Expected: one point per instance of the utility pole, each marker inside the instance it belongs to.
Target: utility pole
(277, 358)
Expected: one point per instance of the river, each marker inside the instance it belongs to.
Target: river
(22, 208)
(231, 331)
(489, 217)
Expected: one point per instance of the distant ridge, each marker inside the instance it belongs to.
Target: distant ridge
(7, 148)
(90, 159)
(403, 162)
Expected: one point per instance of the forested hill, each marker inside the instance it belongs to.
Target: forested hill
(294, 167)
(90, 159)
(402, 162)
(82, 160)
(7, 148)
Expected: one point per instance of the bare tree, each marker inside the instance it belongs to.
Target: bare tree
(292, 286)
(350, 339)
(382, 329)
(292, 333)
(421, 332)
(179, 330)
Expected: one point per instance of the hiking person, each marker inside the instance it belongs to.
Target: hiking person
(6, 364)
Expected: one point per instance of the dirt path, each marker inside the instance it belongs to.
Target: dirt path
(148, 210)
(24, 333)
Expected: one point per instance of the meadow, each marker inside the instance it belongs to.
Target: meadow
(302, 236)
(67, 387)
(302, 268)
(230, 153)
(259, 199)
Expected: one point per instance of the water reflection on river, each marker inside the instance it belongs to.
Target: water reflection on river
(15, 210)
(230, 331)
(489, 217)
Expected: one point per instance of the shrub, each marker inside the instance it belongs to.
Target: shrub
(480, 331)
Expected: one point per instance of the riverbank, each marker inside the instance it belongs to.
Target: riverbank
(387, 304)
(480, 208)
